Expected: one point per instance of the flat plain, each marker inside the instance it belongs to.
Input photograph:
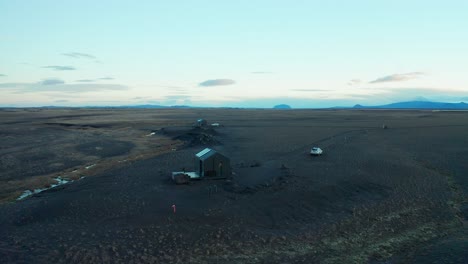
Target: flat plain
(394, 195)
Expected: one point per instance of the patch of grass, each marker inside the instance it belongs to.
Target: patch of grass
(11, 190)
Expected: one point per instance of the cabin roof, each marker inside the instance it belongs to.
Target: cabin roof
(203, 152)
(206, 153)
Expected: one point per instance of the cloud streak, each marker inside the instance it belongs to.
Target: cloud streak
(173, 87)
(79, 55)
(354, 82)
(2, 75)
(51, 82)
(60, 68)
(310, 90)
(217, 82)
(399, 77)
(177, 97)
(94, 80)
(59, 86)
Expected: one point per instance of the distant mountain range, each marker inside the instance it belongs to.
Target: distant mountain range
(416, 105)
(399, 105)
(146, 106)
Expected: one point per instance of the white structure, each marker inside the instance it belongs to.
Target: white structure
(316, 151)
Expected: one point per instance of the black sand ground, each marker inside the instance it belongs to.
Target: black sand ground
(393, 195)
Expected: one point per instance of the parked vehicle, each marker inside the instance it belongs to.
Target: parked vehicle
(316, 151)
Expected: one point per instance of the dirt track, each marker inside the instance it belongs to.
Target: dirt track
(375, 195)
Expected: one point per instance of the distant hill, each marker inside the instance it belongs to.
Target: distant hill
(147, 106)
(155, 106)
(399, 105)
(282, 106)
(416, 105)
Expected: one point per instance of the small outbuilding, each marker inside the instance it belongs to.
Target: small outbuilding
(211, 164)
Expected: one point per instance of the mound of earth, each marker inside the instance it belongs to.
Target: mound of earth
(199, 136)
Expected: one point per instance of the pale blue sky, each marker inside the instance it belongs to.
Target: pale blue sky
(232, 53)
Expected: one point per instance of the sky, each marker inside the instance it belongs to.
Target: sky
(244, 53)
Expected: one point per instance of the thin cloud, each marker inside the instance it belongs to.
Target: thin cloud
(217, 82)
(60, 68)
(399, 77)
(141, 97)
(80, 88)
(177, 97)
(2, 75)
(13, 85)
(354, 82)
(61, 101)
(175, 89)
(51, 82)
(431, 94)
(94, 80)
(310, 90)
(59, 86)
(79, 55)
(177, 100)
(261, 72)
(172, 87)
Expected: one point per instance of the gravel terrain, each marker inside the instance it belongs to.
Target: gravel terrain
(395, 195)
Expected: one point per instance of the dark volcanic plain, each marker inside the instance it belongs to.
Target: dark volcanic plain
(396, 195)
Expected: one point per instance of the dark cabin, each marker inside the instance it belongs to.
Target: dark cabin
(211, 164)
